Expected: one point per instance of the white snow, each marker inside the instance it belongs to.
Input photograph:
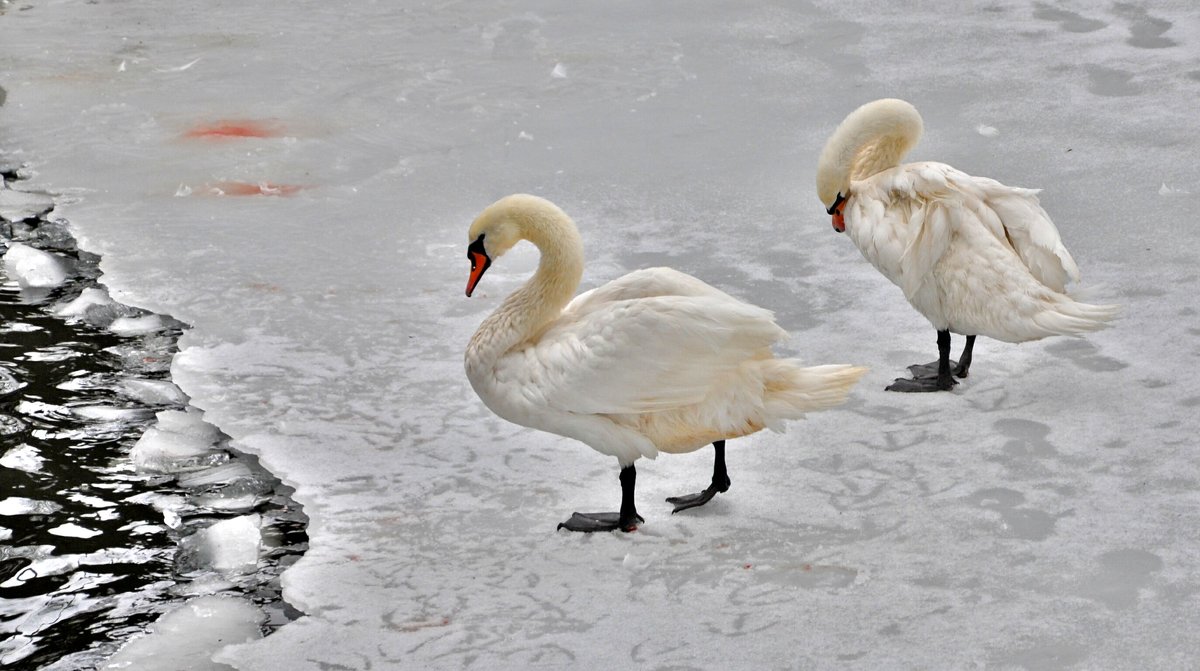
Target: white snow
(230, 545)
(184, 638)
(33, 268)
(1041, 515)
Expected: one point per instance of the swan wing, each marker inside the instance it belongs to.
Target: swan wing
(645, 283)
(1026, 227)
(637, 355)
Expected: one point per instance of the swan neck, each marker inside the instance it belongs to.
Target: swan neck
(542, 298)
(872, 139)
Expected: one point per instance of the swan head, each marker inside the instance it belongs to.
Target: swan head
(506, 222)
(871, 139)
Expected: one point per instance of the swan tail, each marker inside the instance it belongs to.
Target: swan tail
(790, 390)
(1075, 318)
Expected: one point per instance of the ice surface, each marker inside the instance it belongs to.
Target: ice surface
(1040, 516)
(185, 638)
(21, 205)
(33, 268)
(228, 545)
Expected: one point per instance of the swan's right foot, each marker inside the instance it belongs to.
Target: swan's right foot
(593, 522)
(626, 520)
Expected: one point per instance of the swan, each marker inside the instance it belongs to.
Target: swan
(974, 256)
(655, 361)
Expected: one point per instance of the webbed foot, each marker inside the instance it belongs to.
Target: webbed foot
(593, 522)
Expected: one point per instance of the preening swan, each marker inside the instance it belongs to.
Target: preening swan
(974, 256)
(653, 361)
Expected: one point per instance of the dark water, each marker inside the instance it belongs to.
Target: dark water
(89, 546)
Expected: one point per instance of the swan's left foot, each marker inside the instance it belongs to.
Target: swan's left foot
(720, 483)
(921, 384)
(695, 500)
(593, 522)
(626, 520)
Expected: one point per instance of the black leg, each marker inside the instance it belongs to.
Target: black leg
(626, 520)
(964, 361)
(922, 381)
(720, 483)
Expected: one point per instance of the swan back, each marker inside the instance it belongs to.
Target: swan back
(871, 139)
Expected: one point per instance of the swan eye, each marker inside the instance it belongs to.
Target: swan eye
(833, 208)
(476, 249)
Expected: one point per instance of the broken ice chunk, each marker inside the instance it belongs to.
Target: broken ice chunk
(193, 631)
(78, 307)
(104, 413)
(987, 131)
(72, 530)
(154, 392)
(32, 267)
(23, 458)
(229, 545)
(559, 71)
(136, 325)
(19, 505)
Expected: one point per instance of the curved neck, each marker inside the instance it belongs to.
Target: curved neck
(874, 138)
(542, 298)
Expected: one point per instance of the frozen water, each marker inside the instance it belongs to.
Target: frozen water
(184, 638)
(228, 545)
(104, 413)
(18, 205)
(33, 268)
(971, 529)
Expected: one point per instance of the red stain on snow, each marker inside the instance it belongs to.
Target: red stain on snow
(253, 189)
(234, 129)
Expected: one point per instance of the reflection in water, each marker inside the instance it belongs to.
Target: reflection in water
(92, 548)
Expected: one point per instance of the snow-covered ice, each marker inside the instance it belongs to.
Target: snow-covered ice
(23, 458)
(136, 325)
(1040, 516)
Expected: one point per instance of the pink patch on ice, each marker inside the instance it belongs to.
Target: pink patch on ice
(255, 189)
(234, 129)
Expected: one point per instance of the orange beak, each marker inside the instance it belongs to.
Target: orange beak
(839, 221)
(479, 264)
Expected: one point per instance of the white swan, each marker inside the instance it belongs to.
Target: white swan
(974, 256)
(654, 361)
